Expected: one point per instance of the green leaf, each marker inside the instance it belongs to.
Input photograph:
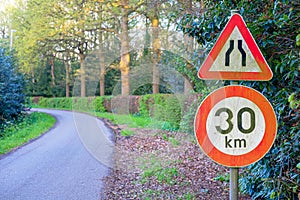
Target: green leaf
(298, 40)
(298, 165)
(291, 97)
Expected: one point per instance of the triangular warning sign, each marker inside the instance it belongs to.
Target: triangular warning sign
(235, 56)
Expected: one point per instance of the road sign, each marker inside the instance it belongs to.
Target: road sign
(235, 126)
(235, 56)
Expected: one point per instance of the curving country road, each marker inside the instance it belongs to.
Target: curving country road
(64, 164)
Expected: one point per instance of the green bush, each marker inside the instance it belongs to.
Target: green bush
(12, 98)
(59, 103)
(144, 104)
(187, 121)
(82, 103)
(173, 111)
(98, 104)
(162, 107)
(76, 103)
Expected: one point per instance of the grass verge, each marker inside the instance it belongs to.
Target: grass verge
(31, 127)
(133, 121)
(136, 121)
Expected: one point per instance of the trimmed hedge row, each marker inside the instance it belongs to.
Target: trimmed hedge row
(99, 104)
(163, 107)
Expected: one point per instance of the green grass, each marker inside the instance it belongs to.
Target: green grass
(126, 132)
(132, 121)
(171, 139)
(223, 178)
(31, 127)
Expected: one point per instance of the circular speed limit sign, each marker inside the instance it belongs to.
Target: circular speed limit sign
(235, 126)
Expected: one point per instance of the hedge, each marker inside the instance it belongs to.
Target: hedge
(171, 109)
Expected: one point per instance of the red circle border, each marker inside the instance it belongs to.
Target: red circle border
(235, 160)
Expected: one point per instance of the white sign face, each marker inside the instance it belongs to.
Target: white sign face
(235, 126)
(235, 56)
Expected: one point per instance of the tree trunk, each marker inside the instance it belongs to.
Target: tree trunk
(125, 55)
(33, 81)
(188, 85)
(52, 71)
(102, 80)
(67, 65)
(102, 66)
(82, 76)
(156, 52)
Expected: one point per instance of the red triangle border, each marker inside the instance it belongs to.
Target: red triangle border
(235, 21)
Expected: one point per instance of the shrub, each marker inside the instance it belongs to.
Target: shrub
(144, 104)
(162, 107)
(191, 106)
(173, 111)
(125, 104)
(82, 103)
(98, 104)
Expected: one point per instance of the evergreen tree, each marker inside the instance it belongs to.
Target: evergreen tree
(12, 98)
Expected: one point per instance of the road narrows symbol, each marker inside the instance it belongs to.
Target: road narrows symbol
(228, 52)
(231, 47)
(242, 52)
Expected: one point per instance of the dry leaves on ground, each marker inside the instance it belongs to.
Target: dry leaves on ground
(155, 164)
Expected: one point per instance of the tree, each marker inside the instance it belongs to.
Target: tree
(52, 28)
(121, 10)
(12, 98)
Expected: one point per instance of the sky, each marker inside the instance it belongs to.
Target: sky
(5, 3)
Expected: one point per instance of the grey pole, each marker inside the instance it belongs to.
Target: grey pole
(234, 171)
(234, 175)
(234, 183)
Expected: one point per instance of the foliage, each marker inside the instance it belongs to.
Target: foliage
(144, 104)
(12, 99)
(275, 27)
(31, 127)
(223, 178)
(127, 132)
(156, 108)
(83, 103)
(187, 122)
(155, 168)
(159, 107)
(40, 83)
(171, 139)
(98, 104)
(59, 103)
(184, 68)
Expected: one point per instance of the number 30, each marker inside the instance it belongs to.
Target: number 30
(239, 120)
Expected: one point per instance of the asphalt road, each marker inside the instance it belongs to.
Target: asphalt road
(64, 164)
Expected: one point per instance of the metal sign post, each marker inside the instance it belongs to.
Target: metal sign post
(234, 183)
(234, 171)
